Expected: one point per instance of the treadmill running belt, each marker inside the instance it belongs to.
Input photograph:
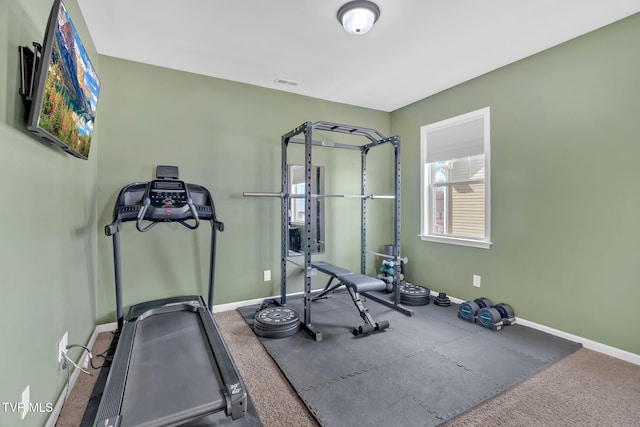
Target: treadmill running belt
(171, 339)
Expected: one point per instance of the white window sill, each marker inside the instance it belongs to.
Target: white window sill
(457, 241)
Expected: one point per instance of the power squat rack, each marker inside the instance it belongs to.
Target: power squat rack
(373, 139)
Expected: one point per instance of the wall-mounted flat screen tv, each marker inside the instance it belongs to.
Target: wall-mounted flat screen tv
(63, 95)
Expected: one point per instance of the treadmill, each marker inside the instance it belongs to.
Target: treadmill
(171, 365)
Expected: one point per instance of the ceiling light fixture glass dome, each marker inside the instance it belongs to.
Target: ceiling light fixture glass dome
(358, 16)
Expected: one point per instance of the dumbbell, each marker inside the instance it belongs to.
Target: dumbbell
(497, 316)
(507, 313)
(483, 302)
(505, 310)
(468, 310)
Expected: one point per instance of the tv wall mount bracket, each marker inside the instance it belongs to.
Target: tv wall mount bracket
(29, 63)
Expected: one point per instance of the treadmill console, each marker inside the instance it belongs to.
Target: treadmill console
(168, 200)
(165, 199)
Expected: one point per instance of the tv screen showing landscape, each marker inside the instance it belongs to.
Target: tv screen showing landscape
(66, 96)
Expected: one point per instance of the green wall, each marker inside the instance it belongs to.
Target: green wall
(48, 252)
(564, 150)
(227, 137)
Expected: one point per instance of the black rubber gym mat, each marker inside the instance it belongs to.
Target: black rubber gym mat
(423, 370)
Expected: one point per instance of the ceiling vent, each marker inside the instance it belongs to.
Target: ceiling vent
(286, 82)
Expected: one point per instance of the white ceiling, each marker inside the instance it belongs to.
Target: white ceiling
(416, 49)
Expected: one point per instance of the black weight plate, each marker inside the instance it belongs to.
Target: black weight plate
(442, 300)
(414, 294)
(414, 290)
(415, 303)
(276, 333)
(414, 300)
(277, 318)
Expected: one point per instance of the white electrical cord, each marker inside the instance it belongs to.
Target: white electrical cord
(78, 367)
(70, 346)
(65, 365)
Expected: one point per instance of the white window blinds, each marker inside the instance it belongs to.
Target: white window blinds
(455, 142)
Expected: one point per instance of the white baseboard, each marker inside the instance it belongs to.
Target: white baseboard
(234, 305)
(104, 327)
(220, 308)
(627, 356)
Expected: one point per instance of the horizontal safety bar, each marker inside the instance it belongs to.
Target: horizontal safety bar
(312, 271)
(317, 196)
(404, 260)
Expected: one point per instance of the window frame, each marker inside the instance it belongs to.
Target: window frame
(427, 211)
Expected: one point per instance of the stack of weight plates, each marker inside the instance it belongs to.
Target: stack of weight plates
(276, 322)
(442, 300)
(414, 294)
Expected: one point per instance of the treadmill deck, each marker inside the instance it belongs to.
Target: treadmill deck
(167, 368)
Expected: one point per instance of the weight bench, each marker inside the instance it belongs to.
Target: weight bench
(355, 284)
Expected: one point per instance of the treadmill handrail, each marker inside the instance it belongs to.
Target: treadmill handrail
(140, 217)
(235, 391)
(168, 308)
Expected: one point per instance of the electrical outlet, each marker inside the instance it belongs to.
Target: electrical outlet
(266, 275)
(26, 402)
(62, 346)
(476, 281)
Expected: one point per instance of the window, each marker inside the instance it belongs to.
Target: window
(455, 172)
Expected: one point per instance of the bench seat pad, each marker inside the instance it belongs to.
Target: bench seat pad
(362, 283)
(359, 282)
(330, 269)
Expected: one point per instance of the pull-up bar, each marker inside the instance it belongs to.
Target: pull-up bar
(371, 134)
(318, 196)
(326, 144)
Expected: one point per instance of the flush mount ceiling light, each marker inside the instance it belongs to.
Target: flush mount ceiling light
(358, 16)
